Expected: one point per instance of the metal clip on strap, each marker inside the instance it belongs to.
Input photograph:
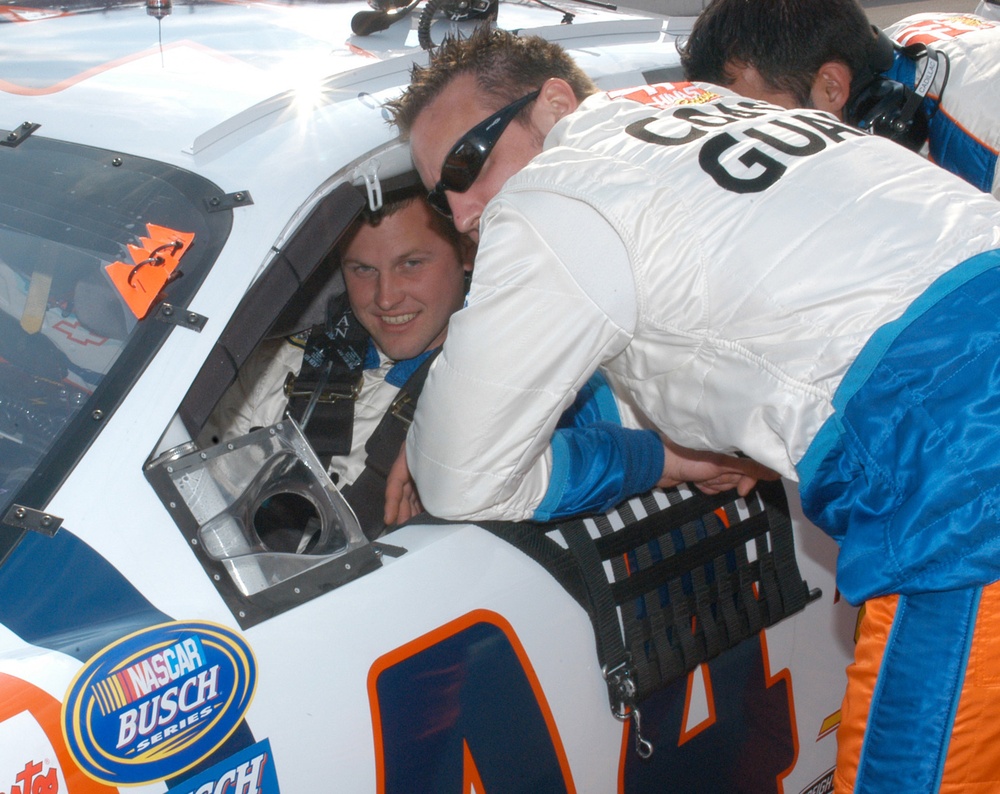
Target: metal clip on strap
(326, 395)
(643, 747)
(622, 691)
(323, 378)
(403, 408)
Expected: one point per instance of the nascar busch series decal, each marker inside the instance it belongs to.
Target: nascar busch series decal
(250, 771)
(157, 702)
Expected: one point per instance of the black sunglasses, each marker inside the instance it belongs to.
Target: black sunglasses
(463, 163)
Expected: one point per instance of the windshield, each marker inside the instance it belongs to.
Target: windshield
(70, 347)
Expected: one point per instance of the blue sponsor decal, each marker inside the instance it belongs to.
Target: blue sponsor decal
(158, 701)
(250, 771)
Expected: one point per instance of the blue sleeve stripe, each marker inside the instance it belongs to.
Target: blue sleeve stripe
(596, 467)
(957, 150)
(550, 505)
(875, 348)
(951, 146)
(595, 402)
(607, 408)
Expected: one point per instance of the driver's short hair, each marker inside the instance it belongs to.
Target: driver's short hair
(398, 199)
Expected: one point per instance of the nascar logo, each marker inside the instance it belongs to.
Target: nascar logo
(158, 701)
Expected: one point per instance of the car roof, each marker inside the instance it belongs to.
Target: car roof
(189, 86)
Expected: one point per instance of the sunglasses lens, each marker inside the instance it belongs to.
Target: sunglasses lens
(439, 202)
(462, 166)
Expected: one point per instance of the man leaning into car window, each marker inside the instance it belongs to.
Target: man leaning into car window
(752, 278)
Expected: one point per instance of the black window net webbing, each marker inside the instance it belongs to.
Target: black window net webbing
(671, 579)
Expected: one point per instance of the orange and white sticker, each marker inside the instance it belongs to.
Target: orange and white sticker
(942, 28)
(34, 758)
(666, 95)
(153, 263)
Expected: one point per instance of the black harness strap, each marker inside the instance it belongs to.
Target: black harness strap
(264, 301)
(786, 569)
(615, 660)
(367, 493)
(712, 643)
(321, 397)
(533, 541)
(691, 554)
(681, 511)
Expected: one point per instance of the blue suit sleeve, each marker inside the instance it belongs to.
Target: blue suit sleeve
(597, 463)
(595, 403)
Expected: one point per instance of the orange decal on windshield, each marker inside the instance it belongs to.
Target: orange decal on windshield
(155, 263)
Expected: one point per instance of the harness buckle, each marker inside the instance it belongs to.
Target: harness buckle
(326, 395)
(403, 408)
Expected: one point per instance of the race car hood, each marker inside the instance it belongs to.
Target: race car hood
(168, 83)
(151, 86)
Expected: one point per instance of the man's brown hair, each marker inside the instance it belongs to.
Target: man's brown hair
(506, 67)
(397, 200)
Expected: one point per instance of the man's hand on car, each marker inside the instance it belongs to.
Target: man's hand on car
(711, 472)
(401, 500)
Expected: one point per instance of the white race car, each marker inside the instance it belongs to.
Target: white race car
(172, 179)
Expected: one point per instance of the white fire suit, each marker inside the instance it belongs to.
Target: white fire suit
(725, 275)
(772, 282)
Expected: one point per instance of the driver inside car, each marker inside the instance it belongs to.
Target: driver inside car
(352, 381)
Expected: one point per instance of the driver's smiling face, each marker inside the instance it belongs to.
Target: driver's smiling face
(404, 280)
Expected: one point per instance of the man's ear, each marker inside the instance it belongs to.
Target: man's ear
(555, 101)
(831, 87)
